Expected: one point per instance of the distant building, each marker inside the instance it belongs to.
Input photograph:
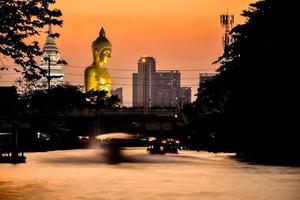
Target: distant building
(203, 77)
(142, 82)
(153, 88)
(167, 88)
(119, 93)
(185, 96)
(50, 51)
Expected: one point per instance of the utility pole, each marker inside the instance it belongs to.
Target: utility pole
(49, 78)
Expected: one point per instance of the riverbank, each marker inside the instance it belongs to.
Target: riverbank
(12, 159)
(275, 159)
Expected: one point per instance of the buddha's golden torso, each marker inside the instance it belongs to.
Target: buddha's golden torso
(97, 79)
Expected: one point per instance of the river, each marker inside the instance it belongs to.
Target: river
(84, 175)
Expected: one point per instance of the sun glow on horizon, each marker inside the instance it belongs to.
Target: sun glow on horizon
(181, 35)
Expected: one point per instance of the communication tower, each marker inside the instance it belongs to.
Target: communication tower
(227, 22)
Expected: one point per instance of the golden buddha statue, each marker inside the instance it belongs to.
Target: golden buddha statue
(96, 77)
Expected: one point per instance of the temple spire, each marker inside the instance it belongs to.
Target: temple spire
(49, 30)
(52, 67)
(50, 41)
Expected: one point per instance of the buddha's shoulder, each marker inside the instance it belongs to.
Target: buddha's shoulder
(106, 71)
(90, 69)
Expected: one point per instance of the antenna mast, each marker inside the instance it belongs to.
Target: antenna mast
(227, 22)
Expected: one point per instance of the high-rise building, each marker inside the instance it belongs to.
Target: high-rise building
(167, 87)
(51, 54)
(143, 90)
(153, 88)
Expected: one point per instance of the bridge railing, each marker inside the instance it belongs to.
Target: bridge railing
(166, 112)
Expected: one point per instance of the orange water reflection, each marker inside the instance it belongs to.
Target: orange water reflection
(83, 174)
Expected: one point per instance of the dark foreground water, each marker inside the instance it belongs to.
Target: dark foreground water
(83, 174)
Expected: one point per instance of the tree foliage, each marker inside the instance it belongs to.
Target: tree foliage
(256, 87)
(101, 100)
(20, 20)
(58, 98)
(25, 86)
(65, 97)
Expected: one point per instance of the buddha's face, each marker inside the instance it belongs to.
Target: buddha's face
(102, 56)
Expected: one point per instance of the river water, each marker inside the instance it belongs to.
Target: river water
(84, 174)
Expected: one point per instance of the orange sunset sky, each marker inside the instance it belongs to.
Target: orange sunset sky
(182, 35)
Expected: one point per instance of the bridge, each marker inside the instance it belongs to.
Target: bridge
(98, 121)
(91, 122)
(56, 130)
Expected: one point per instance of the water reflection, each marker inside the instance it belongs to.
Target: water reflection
(101, 156)
(84, 174)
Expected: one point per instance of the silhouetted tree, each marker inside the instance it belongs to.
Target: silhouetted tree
(20, 20)
(97, 98)
(65, 97)
(256, 85)
(113, 101)
(25, 86)
(100, 99)
(58, 98)
(210, 97)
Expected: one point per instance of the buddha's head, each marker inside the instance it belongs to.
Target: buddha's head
(101, 49)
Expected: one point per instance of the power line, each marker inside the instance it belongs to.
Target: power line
(122, 84)
(128, 84)
(114, 77)
(120, 69)
(6, 81)
(9, 74)
(118, 77)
